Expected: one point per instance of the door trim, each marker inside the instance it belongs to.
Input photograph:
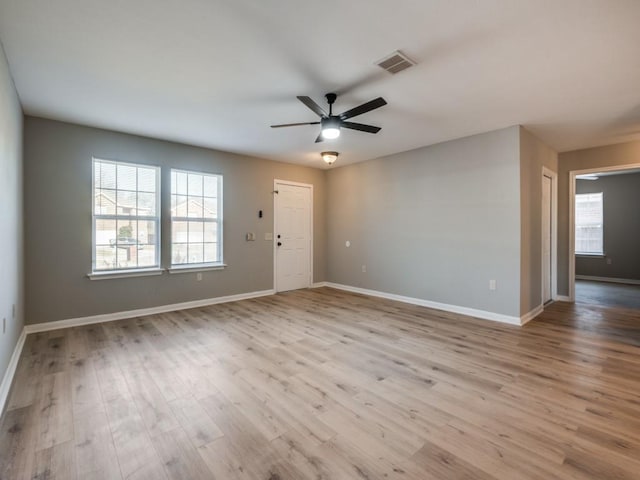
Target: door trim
(572, 221)
(277, 182)
(554, 233)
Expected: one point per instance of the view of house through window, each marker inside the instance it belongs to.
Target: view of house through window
(125, 216)
(196, 218)
(589, 224)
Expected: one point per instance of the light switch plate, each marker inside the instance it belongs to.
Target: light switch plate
(268, 236)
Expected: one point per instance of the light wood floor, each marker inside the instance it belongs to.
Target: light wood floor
(323, 384)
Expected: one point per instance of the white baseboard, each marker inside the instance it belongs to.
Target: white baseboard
(527, 317)
(562, 298)
(628, 281)
(9, 373)
(319, 284)
(471, 312)
(109, 317)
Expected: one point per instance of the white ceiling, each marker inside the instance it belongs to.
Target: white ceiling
(218, 73)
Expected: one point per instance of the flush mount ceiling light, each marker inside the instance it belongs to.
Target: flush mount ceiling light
(329, 157)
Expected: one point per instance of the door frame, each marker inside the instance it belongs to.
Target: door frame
(277, 182)
(572, 211)
(546, 172)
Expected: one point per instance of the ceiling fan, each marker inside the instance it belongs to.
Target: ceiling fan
(331, 124)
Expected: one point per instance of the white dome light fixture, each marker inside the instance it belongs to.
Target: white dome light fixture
(329, 157)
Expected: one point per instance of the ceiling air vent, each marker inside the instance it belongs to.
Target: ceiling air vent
(396, 62)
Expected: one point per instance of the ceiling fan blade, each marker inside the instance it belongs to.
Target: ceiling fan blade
(320, 138)
(361, 126)
(364, 108)
(294, 124)
(313, 106)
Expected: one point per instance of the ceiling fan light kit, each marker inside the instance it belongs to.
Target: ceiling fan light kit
(330, 128)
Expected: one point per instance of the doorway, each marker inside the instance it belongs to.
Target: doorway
(591, 174)
(293, 235)
(549, 235)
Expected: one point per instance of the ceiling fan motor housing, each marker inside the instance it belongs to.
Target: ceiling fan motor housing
(330, 122)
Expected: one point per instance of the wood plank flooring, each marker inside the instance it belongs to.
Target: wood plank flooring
(617, 295)
(324, 384)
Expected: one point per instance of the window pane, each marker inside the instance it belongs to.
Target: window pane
(210, 252)
(147, 179)
(195, 253)
(126, 203)
(147, 204)
(105, 232)
(194, 209)
(126, 177)
(196, 232)
(105, 257)
(195, 185)
(210, 232)
(148, 232)
(210, 208)
(210, 186)
(179, 232)
(181, 183)
(146, 256)
(179, 253)
(127, 232)
(107, 174)
(181, 206)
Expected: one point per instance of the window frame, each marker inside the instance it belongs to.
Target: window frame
(219, 221)
(576, 229)
(132, 271)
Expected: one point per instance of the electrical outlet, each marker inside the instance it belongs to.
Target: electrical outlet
(608, 261)
(198, 276)
(492, 285)
(364, 269)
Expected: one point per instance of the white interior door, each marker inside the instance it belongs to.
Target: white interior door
(547, 216)
(293, 235)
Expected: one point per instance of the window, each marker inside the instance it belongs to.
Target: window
(589, 224)
(125, 216)
(196, 218)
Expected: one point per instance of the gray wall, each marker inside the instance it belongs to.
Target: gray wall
(58, 221)
(621, 198)
(11, 264)
(609, 156)
(533, 156)
(436, 223)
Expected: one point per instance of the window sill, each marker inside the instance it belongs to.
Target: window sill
(107, 275)
(591, 255)
(202, 267)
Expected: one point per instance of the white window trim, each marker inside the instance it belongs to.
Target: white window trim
(129, 272)
(138, 272)
(202, 266)
(196, 267)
